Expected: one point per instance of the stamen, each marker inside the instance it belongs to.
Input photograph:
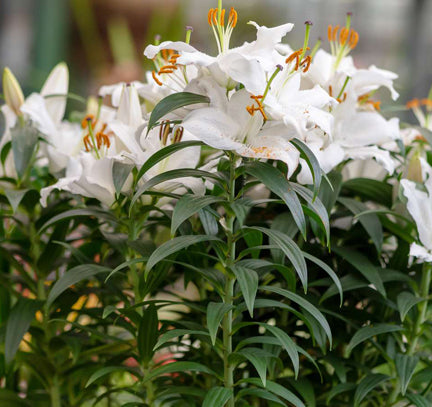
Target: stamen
(209, 17)
(413, 103)
(331, 90)
(335, 31)
(178, 134)
(156, 79)
(252, 109)
(222, 18)
(307, 61)
(214, 17)
(353, 40)
(164, 132)
(343, 35)
(232, 18)
(164, 53)
(330, 33)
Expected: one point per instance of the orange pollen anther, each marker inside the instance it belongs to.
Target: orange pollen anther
(413, 103)
(214, 16)
(307, 63)
(252, 109)
(156, 79)
(427, 103)
(164, 131)
(232, 18)
(210, 16)
(353, 39)
(343, 35)
(88, 119)
(329, 32)
(178, 134)
(222, 18)
(334, 33)
(331, 90)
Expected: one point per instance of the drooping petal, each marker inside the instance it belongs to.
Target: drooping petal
(57, 83)
(420, 253)
(368, 80)
(129, 110)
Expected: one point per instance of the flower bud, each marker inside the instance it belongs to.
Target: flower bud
(12, 92)
(414, 171)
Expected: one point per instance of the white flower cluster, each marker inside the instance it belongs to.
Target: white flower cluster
(261, 96)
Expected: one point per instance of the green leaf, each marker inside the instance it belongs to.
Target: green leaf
(175, 333)
(329, 271)
(371, 189)
(24, 141)
(17, 325)
(187, 206)
(368, 332)
(178, 367)
(364, 266)
(215, 313)
(276, 388)
(367, 385)
(110, 369)
(148, 333)
(258, 358)
(339, 389)
(287, 343)
(74, 276)
(405, 367)
(165, 153)
(370, 222)
(276, 181)
(73, 213)
(170, 175)
(261, 394)
(290, 249)
(126, 264)
(9, 398)
(120, 173)
(304, 304)
(15, 196)
(248, 282)
(312, 163)
(418, 400)
(174, 246)
(174, 102)
(405, 301)
(217, 397)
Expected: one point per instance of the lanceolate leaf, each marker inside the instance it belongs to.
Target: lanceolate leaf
(188, 205)
(74, 276)
(370, 222)
(17, 325)
(175, 367)
(369, 332)
(148, 333)
(173, 102)
(290, 249)
(15, 196)
(248, 281)
(215, 313)
(110, 369)
(405, 367)
(174, 246)
(165, 153)
(276, 182)
(304, 304)
(418, 400)
(258, 358)
(312, 163)
(405, 301)
(24, 141)
(367, 385)
(120, 173)
(217, 397)
(364, 266)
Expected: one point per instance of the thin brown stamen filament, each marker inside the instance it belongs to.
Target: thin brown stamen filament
(331, 90)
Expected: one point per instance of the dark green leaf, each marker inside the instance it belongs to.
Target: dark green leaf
(18, 323)
(367, 385)
(371, 189)
(74, 276)
(339, 389)
(217, 397)
(405, 301)
(148, 333)
(174, 102)
(215, 313)
(24, 141)
(274, 180)
(261, 394)
(187, 206)
(175, 367)
(15, 196)
(418, 400)
(108, 370)
(405, 367)
(248, 281)
(175, 333)
(258, 359)
(120, 173)
(174, 246)
(368, 332)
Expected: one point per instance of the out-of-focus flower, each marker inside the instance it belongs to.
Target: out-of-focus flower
(13, 94)
(419, 205)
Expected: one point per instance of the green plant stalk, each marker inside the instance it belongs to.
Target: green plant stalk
(229, 290)
(422, 308)
(55, 393)
(149, 389)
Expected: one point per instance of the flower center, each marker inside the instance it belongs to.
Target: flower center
(301, 62)
(168, 64)
(92, 141)
(366, 100)
(260, 108)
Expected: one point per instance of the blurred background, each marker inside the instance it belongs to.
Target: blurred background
(102, 40)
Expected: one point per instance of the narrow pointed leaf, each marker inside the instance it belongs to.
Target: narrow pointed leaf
(217, 397)
(405, 301)
(174, 102)
(177, 367)
(366, 386)
(405, 367)
(120, 173)
(24, 141)
(258, 360)
(215, 313)
(248, 281)
(148, 333)
(276, 182)
(111, 369)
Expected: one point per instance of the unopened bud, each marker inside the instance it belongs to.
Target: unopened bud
(414, 172)
(12, 92)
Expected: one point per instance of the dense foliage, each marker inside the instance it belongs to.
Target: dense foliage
(240, 230)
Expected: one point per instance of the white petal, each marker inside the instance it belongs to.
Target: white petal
(383, 157)
(129, 110)
(57, 83)
(367, 80)
(36, 108)
(152, 50)
(420, 253)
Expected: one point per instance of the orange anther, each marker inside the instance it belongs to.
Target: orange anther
(87, 143)
(222, 18)
(413, 103)
(307, 63)
(214, 16)
(164, 131)
(164, 53)
(331, 90)
(251, 110)
(343, 35)
(232, 19)
(353, 40)
(156, 79)
(209, 16)
(329, 33)
(178, 134)
(334, 33)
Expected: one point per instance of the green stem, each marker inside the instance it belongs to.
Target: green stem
(149, 390)
(229, 290)
(422, 308)
(55, 393)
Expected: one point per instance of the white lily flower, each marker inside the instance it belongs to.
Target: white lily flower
(419, 205)
(232, 127)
